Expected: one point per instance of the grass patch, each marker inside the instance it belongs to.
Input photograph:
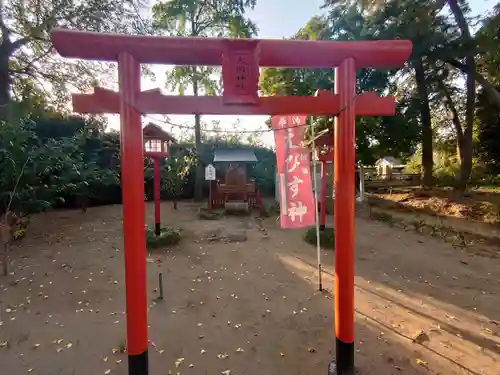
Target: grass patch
(206, 214)
(384, 217)
(167, 237)
(326, 237)
(270, 209)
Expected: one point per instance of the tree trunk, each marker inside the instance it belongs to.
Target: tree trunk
(466, 147)
(425, 117)
(4, 85)
(463, 147)
(198, 184)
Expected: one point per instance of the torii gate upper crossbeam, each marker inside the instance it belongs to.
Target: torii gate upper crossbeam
(208, 51)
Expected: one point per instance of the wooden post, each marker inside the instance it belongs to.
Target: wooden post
(344, 170)
(134, 237)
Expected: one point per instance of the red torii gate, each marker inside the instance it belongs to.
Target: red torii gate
(240, 60)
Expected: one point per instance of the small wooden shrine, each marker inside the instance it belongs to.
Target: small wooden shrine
(233, 185)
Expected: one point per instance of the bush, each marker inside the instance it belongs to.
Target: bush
(168, 236)
(326, 237)
(270, 209)
(206, 214)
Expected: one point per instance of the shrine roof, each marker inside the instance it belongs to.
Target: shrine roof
(235, 155)
(154, 131)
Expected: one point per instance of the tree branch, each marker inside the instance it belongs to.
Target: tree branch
(37, 30)
(488, 87)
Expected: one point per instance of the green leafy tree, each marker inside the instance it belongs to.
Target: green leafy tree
(178, 168)
(201, 18)
(374, 136)
(443, 46)
(27, 57)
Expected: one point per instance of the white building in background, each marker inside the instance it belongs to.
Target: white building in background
(388, 165)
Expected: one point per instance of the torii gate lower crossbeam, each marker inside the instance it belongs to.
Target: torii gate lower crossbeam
(240, 60)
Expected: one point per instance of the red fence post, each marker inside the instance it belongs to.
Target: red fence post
(157, 180)
(344, 159)
(132, 166)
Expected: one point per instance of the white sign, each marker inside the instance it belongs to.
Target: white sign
(210, 172)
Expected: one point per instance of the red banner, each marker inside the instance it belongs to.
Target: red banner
(294, 175)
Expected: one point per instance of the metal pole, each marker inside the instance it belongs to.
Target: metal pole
(344, 173)
(134, 236)
(315, 187)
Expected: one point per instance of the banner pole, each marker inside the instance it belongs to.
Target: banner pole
(315, 187)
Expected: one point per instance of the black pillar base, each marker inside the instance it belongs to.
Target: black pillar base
(138, 364)
(157, 229)
(344, 363)
(322, 227)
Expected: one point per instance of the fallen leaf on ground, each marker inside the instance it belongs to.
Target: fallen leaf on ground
(222, 355)
(239, 350)
(161, 351)
(311, 350)
(421, 337)
(179, 361)
(107, 371)
(227, 372)
(420, 362)
(105, 359)
(69, 345)
(203, 351)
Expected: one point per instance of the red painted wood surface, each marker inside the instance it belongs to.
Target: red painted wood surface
(240, 71)
(134, 236)
(345, 150)
(153, 102)
(208, 51)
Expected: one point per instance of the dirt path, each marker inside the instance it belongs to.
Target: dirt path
(254, 301)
